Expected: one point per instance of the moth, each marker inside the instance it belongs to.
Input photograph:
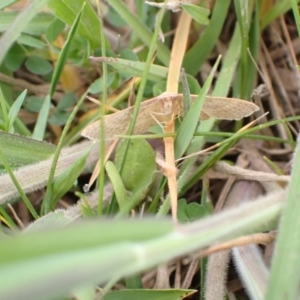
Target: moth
(160, 109)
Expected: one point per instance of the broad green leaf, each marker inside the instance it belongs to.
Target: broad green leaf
(139, 166)
(190, 211)
(195, 211)
(67, 101)
(15, 57)
(181, 214)
(54, 30)
(97, 86)
(59, 118)
(31, 41)
(20, 150)
(38, 65)
(34, 103)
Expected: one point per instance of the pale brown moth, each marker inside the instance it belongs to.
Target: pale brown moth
(160, 109)
(163, 109)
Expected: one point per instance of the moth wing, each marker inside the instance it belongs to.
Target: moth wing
(114, 124)
(150, 113)
(118, 123)
(227, 108)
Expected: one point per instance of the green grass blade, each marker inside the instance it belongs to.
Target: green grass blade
(100, 250)
(135, 68)
(284, 276)
(14, 110)
(278, 9)
(42, 119)
(197, 55)
(115, 178)
(40, 127)
(189, 124)
(17, 185)
(67, 179)
(145, 294)
(46, 205)
(89, 24)
(295, 8)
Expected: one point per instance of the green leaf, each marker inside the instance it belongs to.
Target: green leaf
(64, 52)
(67, 179)
(15, 58)
(39, 129)
(15, 108)
(59, 118)
(20, 150)
(199, 14)
(31, 41)
(54, 30)
(286, 259)
(199, 52)
(38, 65)
(97, 86)
(190, 211)
(40, 125)
(189, 123)
(6, 3)
(117, 183)
(34, 103)
(129, 55)
(89, 25)
(135, 68)
(139, 166)
(182, 214)
(67, 101)
(195, 211)
(145, 294)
